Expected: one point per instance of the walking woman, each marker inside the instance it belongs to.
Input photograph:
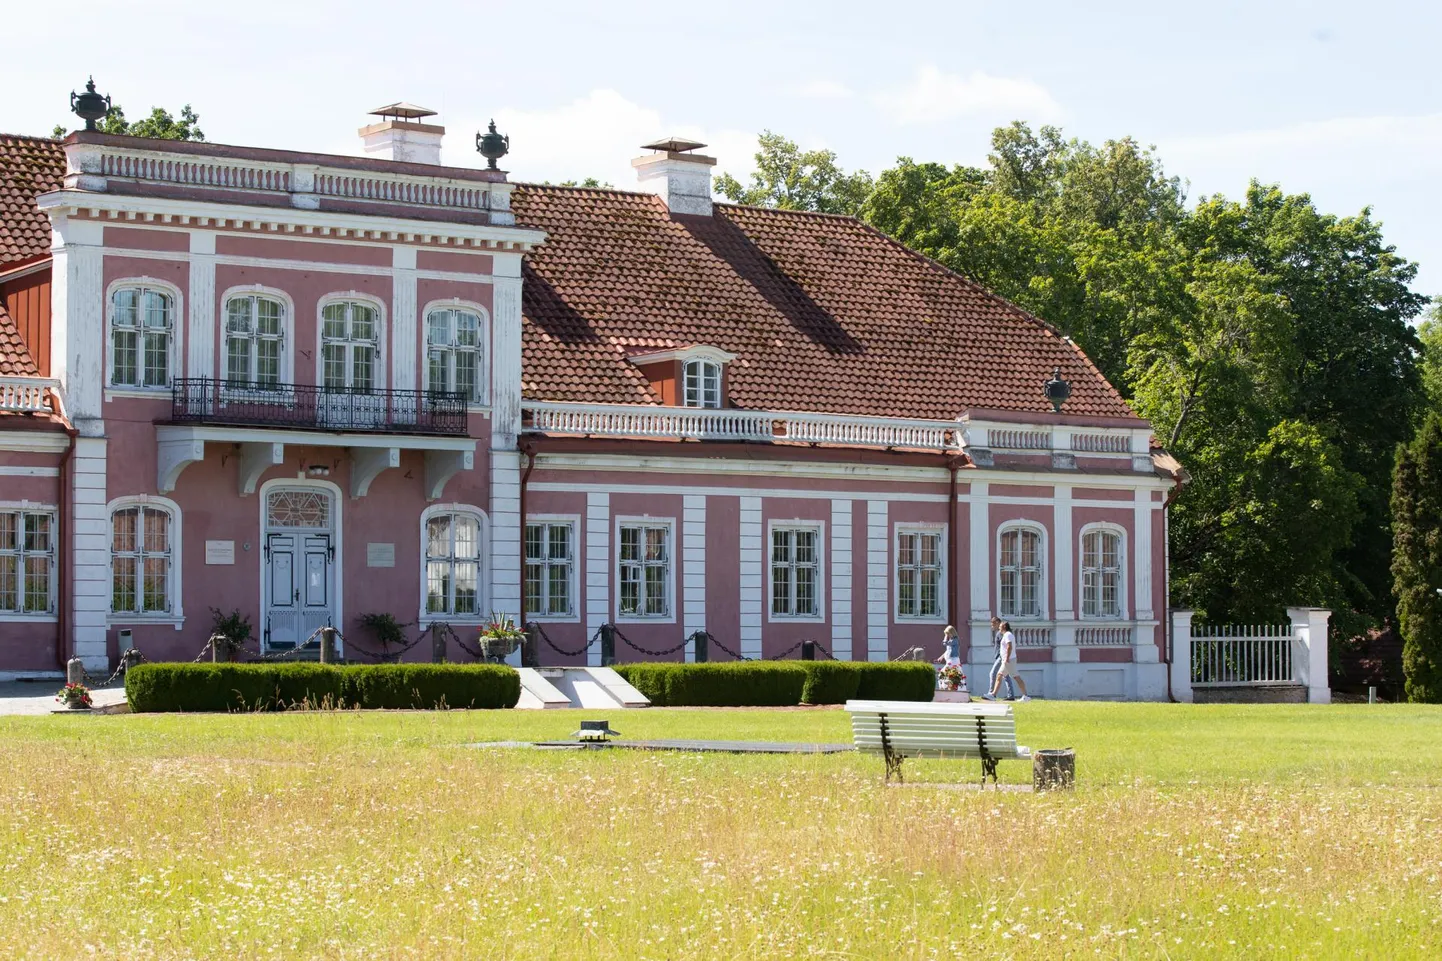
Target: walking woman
(950, 648)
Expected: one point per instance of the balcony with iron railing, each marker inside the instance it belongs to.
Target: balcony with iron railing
(221, 402)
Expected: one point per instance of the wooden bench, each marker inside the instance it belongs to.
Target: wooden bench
(902, 729)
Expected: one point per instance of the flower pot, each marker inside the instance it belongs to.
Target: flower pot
(498, 648)
(77, 706)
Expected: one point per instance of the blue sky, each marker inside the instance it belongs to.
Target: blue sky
(1339, 100)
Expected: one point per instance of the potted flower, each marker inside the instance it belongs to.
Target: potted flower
(952, 678)
(500, 637)
(75, 696)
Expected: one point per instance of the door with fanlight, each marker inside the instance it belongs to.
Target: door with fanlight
(299, 583)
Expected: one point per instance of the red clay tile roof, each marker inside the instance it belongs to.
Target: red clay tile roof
(29, 166)
(824, 313)
(15, 359)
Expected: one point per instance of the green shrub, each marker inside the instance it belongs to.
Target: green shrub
(724, 684)
(897, 681)
(268, 687)
(649, 679)
(830, 682)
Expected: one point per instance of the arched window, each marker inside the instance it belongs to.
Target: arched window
(254, 340)
(144, 538)
(453, 565)
(1101, 572)
(456, 352)
(350, 345)
(1020, 572)
(27, 560)
(702, 383)
(142, 319)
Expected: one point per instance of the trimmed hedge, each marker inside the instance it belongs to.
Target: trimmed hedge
(270, 687)
(778, 683)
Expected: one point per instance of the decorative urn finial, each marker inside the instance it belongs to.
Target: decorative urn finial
(1057, 390)
(492, 146)
(89, 106)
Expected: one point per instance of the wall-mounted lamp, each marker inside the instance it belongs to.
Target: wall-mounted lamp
(318, 470)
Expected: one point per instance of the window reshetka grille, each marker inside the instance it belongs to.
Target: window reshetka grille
(550, 560)
(794, 581)
(1020, 573)
(27, 562)
(453, 564)
(645, 570)
(140, 561)
(141, 320)
(918, 574)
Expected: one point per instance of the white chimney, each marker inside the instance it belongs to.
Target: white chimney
(401, 136)
(681, 178)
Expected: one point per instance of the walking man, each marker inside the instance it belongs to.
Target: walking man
(997, 662)
(1007, 656)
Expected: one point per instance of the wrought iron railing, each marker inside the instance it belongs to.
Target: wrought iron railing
(207, 400)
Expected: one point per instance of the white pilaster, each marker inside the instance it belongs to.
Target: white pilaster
(506, 533)
(90, 542)
(598, 569)
(751, 574)
(1309, 651)
(404, 369)
(841, 580)
(878, 593)
(1064, 637)
(693, 557)
(979, 560)
(1142, 554)
(506, 352)
(77, 326)
(201, 328)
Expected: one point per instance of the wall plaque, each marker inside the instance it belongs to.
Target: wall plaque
(220, 552)
(380, 555)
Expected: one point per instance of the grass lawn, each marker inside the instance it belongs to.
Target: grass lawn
(1259, 831)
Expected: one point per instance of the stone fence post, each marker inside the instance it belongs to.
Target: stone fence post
(1181, 666)
(1309, 651)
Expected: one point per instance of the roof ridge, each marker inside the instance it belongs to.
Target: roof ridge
(788, 212)
(30, 136)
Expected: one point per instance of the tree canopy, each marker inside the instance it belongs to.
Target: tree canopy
(160, 125)
(1268, 342)
(1417, 559)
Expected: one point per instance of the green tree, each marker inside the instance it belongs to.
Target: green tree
(790, 179)
(1417, 559)
(1429, 332)
(160, 125)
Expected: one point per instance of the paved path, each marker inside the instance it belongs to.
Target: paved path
(38, 697)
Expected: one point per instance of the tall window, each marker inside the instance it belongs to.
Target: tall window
(1101, 571)
(453, 564)
(27, 561)
(254, 338)
(550, 559)
(794, 583)
(350, 344)
(455, 352)
(918, 573)
(702, 383)
(645, 570)
(141, 319)
(1020, 571)
(140, 560)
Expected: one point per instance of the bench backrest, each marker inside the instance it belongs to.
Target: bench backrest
(921, 729)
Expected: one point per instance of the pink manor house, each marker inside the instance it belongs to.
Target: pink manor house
(311, 387)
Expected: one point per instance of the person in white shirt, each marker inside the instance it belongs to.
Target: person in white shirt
(1007, 656)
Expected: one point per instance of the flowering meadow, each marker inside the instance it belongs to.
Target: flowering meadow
(1195, 831)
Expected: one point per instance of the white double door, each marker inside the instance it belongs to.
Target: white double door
(300, 586)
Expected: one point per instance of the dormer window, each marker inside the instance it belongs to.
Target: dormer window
(702, 383)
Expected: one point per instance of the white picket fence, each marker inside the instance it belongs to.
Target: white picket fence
(1232, 655)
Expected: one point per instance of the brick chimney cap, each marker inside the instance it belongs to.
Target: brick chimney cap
(403, 111)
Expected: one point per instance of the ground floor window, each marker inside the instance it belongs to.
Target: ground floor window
(645, 570)
(140, 564)
(27, 561)
(795, 581)
(919, 574)
(550, 561)
(453, 563)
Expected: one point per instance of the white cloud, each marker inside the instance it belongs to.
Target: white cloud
(933, 96)
(822, 89)
(595, 135)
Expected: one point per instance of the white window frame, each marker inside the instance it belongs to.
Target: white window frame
(367, 300)
(286, 372)
(174, 340)
(573, 521)
(483, 571)
(1102, 527)
(176, 614)
(943, 592)
(1042, 572)
(701, 396)
(669, 524)
(819, 529)
(482, 398)
(49, 615)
